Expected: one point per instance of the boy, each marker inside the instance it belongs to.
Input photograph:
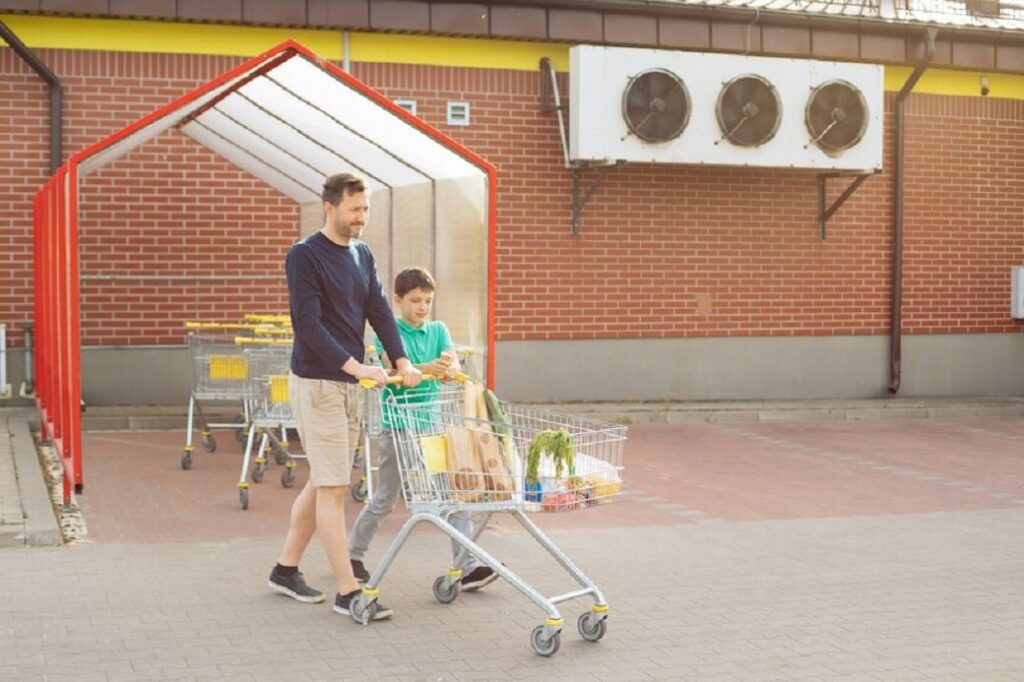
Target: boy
(429, 347)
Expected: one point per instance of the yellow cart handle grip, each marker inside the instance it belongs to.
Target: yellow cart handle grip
(397, 379)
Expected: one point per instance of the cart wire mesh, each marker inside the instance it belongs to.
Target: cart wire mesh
(450, 461)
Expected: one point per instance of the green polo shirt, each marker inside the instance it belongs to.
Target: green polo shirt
(423, 344)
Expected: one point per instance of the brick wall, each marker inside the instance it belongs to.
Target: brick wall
(663, 251)
(689, 251)
(169, 232)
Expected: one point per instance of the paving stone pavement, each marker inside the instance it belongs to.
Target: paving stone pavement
(753, 551)
(912, 597)
(12, 519)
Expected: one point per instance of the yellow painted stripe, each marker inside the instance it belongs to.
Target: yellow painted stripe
(961, 83)
(468, 52)
(127, 35)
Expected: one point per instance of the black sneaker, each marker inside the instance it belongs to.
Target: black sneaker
(359, 571)
(477, 578)
(342, 602)
(295, 587)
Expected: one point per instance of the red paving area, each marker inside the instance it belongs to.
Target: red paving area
(136, 491)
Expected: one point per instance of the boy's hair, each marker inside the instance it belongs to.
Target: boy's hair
(340, 185)
(413, 278)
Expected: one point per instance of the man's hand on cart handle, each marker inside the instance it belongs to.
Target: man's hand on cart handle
(373, 374)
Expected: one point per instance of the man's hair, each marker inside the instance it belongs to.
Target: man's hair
(341, 184)
(413, 278)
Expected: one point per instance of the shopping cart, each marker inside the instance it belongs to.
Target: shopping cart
(370, 428)
(219, 373)
(503, 461)
(267, 394)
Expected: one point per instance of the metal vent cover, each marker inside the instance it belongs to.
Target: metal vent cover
(749, 110)
(656, 105)
(836, 116)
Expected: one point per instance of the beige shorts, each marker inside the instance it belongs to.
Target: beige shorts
(327, 414)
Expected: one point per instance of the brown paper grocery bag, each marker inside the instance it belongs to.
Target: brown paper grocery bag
(465, 472)
(499, 476)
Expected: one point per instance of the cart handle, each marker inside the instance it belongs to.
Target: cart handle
(227, 326)
(272, 319)
(397, 379)
(261, 341)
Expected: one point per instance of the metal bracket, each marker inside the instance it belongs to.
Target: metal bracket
(577, 202)
(823, 213)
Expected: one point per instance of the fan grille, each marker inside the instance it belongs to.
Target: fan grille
(749, 110)
(656, 105)
(836, 116)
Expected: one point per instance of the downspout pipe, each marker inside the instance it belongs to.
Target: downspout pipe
(56, 93)
(896, 335)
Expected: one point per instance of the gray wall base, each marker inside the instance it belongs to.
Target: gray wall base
(750, 368)
(758, 368)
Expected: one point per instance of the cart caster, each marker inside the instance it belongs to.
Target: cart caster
(186, 460)
(545, 647)
(240, 433)
(243, 498)
(444, 591)
(209, 443)
(590, 628)
(362, 611)
(288, 477)
(359, 491)
(280, 458)
(257, 472)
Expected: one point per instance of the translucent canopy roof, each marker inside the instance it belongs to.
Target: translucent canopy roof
(291, 119)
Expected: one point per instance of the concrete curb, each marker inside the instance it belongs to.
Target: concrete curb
(41, 527)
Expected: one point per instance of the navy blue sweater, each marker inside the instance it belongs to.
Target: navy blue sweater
(333, 290)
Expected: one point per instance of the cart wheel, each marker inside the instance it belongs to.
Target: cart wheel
(359, 491)
(257, 472)
(445, 593)
(243, 498)
(209, 443)
(361, 612)
(280, 457)
(590, 630)
(288, 478)
(186, 460)
(240, 433)
(541, 647)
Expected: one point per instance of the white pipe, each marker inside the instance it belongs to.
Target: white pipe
(5, 390)
(346, 58)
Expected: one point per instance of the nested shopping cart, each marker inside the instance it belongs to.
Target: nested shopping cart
(511, 459)
(267, 395)
(219, 373)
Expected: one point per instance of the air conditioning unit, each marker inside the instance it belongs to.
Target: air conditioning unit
(661, 106)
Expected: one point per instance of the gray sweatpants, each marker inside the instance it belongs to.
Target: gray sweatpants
(387, 486)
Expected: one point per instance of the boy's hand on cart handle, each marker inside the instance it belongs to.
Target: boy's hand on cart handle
(440, 369)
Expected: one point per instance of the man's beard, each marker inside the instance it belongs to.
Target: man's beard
(349, 230)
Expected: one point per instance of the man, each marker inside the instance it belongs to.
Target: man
(333, 290)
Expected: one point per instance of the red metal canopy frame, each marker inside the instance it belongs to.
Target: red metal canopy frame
(55, 242)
